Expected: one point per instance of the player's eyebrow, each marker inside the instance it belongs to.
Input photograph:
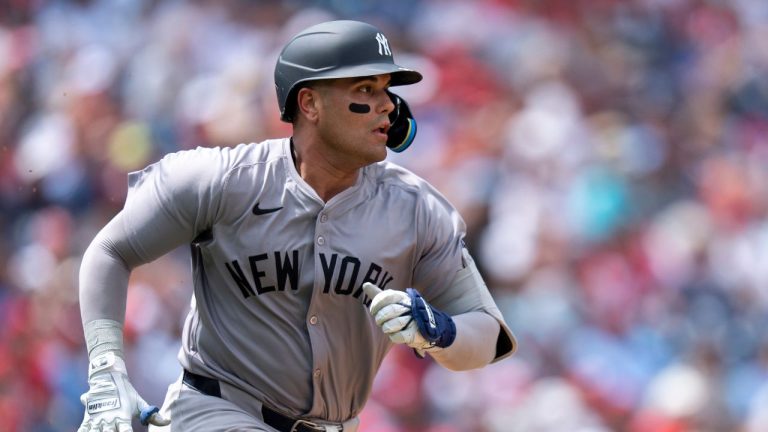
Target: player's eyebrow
(358, 80)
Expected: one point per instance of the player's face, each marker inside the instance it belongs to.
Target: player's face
(354, 118)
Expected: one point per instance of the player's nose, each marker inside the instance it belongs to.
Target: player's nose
(385, 103)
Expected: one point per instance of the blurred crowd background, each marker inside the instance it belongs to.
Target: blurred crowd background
(610, 158)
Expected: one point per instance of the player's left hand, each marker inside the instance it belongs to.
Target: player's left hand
(111, 402)
(407, 318)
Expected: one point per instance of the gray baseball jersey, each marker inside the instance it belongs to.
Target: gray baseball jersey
(278, 307)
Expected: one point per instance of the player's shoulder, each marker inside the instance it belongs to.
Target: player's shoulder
(395, 177)
(203, 166)
(231, 157)
(408, 189)
(221, 161)
(390, 174)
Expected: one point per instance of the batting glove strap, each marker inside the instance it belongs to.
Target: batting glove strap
(109, 361)
(436, 326)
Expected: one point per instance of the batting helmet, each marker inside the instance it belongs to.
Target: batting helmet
(334, 49)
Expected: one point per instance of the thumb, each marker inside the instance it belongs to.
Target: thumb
(158, 420)
(371, 290)
(150, 414)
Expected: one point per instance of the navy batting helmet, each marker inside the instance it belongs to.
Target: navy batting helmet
(334, 49)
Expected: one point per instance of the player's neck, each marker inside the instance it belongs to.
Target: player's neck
(322, 173)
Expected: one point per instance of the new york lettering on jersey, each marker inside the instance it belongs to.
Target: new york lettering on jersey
(279, 270)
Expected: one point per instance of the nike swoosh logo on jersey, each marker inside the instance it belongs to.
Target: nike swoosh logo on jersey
(260, 211)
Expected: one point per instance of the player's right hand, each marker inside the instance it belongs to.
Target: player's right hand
(112, 402)
(407, 318)
(391, 309)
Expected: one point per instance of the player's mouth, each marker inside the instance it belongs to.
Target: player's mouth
(382, 129)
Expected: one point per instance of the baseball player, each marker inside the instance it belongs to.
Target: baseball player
(311, 257)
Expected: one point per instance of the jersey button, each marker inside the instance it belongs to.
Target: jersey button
(316, 373)
(313, 319)
(323, 218)
(321, 240)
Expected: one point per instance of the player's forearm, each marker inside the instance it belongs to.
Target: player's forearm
(475, 344)
(133, 237)
(103, 283)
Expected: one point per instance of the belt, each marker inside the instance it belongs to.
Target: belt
(281, 422)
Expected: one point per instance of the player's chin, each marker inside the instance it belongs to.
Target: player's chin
(375, 155)
(377, 150)
(381, 152)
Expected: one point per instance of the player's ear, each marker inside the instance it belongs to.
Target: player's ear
(308, 103)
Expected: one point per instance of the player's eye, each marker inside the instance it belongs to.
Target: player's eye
(366, 89)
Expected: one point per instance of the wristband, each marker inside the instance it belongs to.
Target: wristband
(436, 326)
(103, 335)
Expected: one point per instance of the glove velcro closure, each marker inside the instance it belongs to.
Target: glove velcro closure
(109, 361)
(436, 326)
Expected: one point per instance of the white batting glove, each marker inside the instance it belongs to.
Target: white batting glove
(112, 402)
(392, 311)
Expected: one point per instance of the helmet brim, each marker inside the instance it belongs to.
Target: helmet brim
(399, 74)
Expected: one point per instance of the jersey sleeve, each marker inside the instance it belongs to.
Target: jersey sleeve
(169, 204)
(440, 237)
(446, 273)
(173, 201)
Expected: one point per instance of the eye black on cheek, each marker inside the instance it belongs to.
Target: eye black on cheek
(359, 108)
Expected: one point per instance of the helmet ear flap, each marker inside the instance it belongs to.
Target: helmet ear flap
(402, 128)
